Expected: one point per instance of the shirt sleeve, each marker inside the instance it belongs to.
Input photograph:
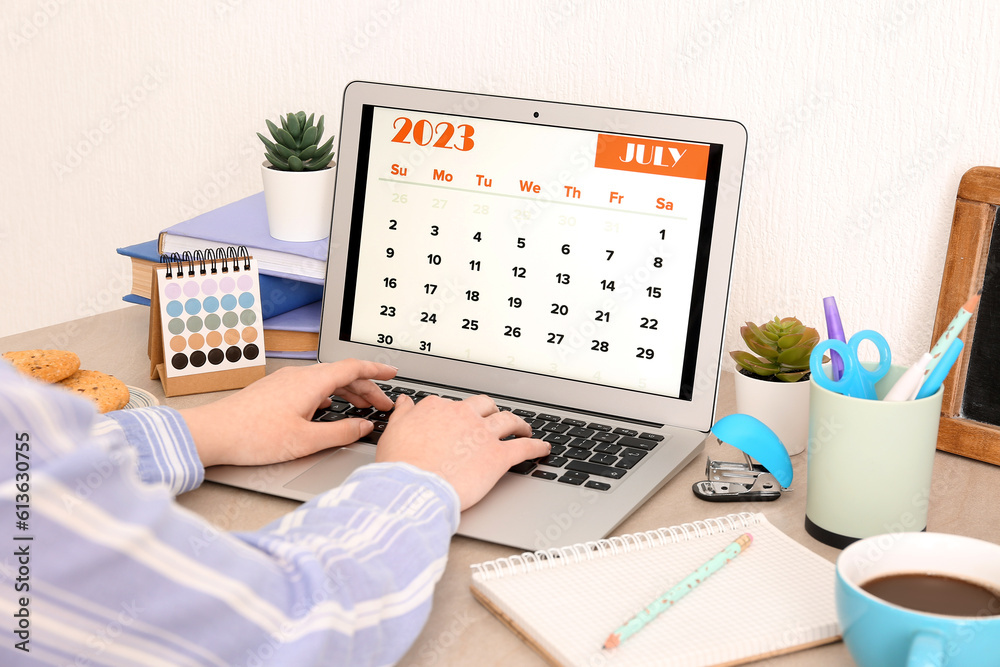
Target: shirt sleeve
(114, 572)
(163, 445)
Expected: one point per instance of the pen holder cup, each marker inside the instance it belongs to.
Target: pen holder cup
(869, 463)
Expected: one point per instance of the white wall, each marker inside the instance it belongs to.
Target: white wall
(121, 118)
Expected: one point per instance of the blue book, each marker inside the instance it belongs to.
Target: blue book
(277, 295)
(244, 223)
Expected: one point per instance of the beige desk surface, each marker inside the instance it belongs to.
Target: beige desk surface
(965, 499)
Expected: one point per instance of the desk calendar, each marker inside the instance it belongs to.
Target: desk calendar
(205, 325)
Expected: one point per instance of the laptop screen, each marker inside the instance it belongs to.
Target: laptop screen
(553, 251)
(550, 253)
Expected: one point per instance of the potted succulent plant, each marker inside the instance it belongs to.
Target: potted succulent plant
(772, 378)
(298, 178)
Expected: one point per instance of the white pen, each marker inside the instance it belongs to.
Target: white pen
(908, 384)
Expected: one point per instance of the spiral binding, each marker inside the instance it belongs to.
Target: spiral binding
(612, 546)
(209, 261)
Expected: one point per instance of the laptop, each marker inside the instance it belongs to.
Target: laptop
(571, 261)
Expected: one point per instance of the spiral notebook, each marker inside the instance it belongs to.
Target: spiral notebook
(777, 597)
(205, 322)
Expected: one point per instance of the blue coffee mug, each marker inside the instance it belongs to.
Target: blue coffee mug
(881, 634)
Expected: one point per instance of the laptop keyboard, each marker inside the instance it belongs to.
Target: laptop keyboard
(591, 454)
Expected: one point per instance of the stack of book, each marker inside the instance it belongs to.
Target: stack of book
(291, 274)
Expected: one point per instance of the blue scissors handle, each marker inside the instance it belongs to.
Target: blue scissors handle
(848, 384)
(857, 380)
(884, 356)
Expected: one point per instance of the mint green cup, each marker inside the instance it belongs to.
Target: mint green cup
(869, 463)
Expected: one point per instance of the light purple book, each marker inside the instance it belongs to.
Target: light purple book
(305, 318)
(283, 354)
(244, 223)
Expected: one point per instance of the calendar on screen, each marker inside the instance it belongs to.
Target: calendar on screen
(556, 251)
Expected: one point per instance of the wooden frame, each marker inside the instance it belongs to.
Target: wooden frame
(976, 207)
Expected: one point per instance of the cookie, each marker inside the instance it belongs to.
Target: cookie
(107, 391)
(45, 365)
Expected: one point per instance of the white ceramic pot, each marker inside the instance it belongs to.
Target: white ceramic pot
(299, 203)
(783, 406)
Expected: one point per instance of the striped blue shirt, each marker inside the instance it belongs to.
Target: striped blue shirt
(102, 567)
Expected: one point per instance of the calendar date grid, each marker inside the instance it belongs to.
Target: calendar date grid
(592, 306)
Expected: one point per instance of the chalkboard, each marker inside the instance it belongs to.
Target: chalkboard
(970, 410)
(981, 399)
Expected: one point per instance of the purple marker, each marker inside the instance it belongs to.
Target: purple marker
(835, 330)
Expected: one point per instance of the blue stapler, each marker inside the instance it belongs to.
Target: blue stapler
(746, 481)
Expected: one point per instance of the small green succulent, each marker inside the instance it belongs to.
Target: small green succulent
(296, 144)
(783, 347)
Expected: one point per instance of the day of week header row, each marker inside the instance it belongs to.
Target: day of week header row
(527, 187)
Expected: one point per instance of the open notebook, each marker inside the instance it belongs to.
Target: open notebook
(777, 597)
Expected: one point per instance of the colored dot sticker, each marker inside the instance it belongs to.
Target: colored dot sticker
(251, 352)
(228, 302)
(192, 306)
(175, 326)
(198, 358)
(227, 284)
(179, 361)
(230, 319)
(214, 339)
(246, 300)
(210, 304)
(209, 286)
(213, 322)
(175, 308)
(216, 356)
(244, 282)
(233, 354)
(248, 317)
(249, 335)
(191, 288)
(172, 290)
(195, 342)
(232, 336)
(178, 343)
(194, 324)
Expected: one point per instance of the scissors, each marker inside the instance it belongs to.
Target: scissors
(857, 381)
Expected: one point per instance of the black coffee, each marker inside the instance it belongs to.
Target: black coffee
(936, 594)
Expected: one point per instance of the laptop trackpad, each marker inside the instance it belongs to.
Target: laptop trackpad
(330, 471)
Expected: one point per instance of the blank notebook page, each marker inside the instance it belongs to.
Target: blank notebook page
(773, 598)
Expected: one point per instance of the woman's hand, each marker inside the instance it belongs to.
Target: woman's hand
(270, 420)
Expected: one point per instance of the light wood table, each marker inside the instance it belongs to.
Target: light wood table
(965, 499)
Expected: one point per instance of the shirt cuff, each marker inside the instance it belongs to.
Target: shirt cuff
(368, 482)
(164, 445)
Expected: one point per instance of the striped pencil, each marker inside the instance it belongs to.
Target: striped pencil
(667, 600)
(952, 332)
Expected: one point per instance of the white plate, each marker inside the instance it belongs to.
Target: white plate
(140, 398)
